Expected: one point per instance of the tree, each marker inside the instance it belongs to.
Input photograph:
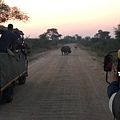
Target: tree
(43, 36)
(77, 37)
(53, 34)
(87, 38)
(103, 35)
(117, 32)
(11, 13)
(69, 39)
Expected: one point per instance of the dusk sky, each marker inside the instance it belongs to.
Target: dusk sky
(69, 17)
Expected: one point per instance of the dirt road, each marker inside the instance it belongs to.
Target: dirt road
(70, 87)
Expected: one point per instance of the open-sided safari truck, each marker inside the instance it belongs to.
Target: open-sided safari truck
(13, 70)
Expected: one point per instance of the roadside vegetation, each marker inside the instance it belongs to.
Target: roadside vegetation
(49, 40)
(101, 43)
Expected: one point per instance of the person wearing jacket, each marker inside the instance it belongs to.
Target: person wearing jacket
(113, 92)
(8, 39)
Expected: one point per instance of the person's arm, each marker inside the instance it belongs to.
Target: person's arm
(114, 85)
(113, 88)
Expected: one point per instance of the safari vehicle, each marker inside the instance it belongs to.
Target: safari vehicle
(112, 61)
(13, 70)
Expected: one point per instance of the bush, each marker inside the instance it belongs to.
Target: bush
(102, 47)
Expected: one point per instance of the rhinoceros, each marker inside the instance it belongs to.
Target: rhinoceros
(65, 50)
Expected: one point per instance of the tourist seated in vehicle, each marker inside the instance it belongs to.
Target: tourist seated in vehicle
(8, 39)
(21, 44)
(19, 35)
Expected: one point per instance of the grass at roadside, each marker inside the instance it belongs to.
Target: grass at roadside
(100, 53)
(99, 56)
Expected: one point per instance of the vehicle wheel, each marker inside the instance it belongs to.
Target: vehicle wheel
(10, 94)
(22, 80)
(7, 95)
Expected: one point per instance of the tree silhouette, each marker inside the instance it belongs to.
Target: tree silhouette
(103, 35)
(53, 34)
(43, 36)
(11, 13)
(77, 37)
(117, 32)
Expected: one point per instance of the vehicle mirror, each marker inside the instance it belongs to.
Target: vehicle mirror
(108, 60)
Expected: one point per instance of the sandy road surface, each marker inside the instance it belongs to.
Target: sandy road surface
(61, 88)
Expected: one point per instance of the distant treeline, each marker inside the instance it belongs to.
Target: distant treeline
(101, 43)
(101, 46)
(39, 45)
(49, 40)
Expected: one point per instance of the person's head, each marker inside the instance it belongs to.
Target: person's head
(10, 26)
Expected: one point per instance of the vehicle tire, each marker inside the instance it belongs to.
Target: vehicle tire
(7, 95)
(10, 94)
(22, 80)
